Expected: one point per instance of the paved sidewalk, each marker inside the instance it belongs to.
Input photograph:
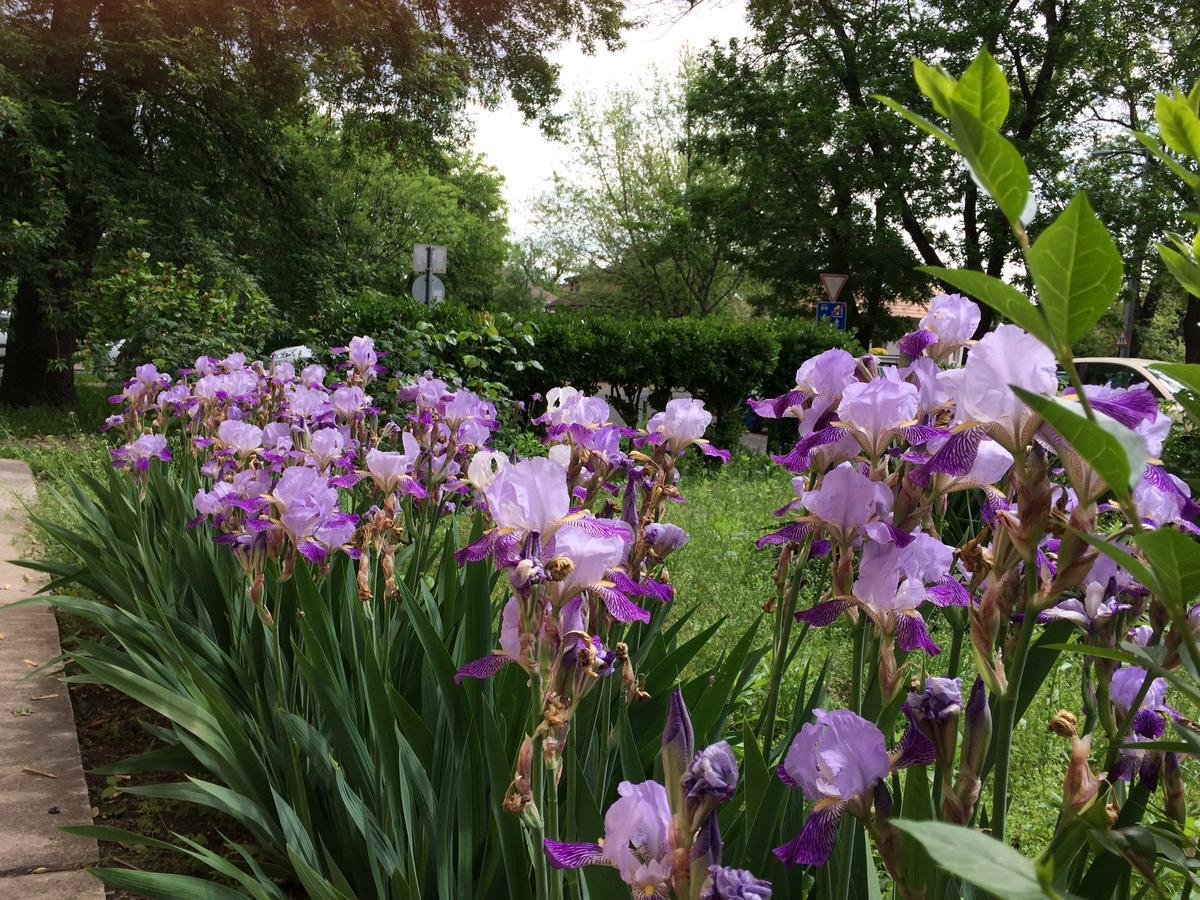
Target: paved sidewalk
(41, 779)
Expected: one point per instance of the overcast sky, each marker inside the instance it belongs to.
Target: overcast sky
(527, 159)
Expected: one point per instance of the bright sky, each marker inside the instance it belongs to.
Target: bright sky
(527, 159)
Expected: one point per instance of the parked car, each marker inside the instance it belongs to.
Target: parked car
(1123, 372)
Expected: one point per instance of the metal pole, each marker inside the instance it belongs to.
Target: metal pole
(429, 274)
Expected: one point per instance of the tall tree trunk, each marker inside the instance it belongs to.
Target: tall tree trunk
(39, 356)
(1191, 330)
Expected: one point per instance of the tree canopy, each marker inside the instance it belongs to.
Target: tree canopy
(185, 127)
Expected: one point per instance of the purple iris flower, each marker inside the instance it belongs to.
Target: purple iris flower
(713, 774)
(138, 453)
(1164, 499)
(1093, 611)
(392, 471)
(1123, 690)
(348, 401)
(362, 355)
(895, 579)
(845, 502)
(307, 402)
(309, 514)
(837, 761)
(567, 406)
(877, 411)
(681, 425)
(426, 392)
(1140, 635)
(952, 319)
(637, 842)
(325, 446)
(529, 496)
(981, 392)
(663, 538)
(935, 712)
(240, 437)
(727, 883)
(510, 647)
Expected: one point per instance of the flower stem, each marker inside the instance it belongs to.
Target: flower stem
(551, 827)
(785, 607)
(856, 671)
(537, 774)
(1006, 709)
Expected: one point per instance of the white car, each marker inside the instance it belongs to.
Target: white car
(1122, 372)
(294, 355)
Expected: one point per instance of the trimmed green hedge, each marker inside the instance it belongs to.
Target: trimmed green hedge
(720, 361)
(638, 361)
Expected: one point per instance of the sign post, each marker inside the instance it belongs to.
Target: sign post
(831, 310)
(429, 260)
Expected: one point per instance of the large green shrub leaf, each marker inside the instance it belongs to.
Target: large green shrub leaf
(1116, 453)
(994, 161)
(979, 859)
(1175, 561)
(983, 90)
(1077, 270)
(1178, 124)
(1002, 297)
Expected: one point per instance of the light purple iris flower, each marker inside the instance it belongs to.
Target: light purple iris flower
(876, 412)
(727, 883)
(981, 392)
(529, 496)
(681, 425)
(308, 511)
(713, 773)
(138, 453)
(1093, 611)
(240, 437)
(1164, 499)
(568, 406)
(1123, 690)
(897, 575)
(307, 402)
(637, 842)
(347, 401)
(596, 549)
(837, 761)
(510, 647)
(326, 445)
(952, 320)
(426, 392)
(362, 354)
(277, 436)
(1140, 635)
(846, 501)
(392, 471)
(664, 538)
(819, 385)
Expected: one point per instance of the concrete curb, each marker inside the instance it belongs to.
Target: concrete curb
(41, 777)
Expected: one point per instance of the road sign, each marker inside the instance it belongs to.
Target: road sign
(428, 289)
(834, 313)
(429, 258)
(833, 285)
(1123, 338)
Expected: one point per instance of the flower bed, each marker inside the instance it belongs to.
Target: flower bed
(408, 665)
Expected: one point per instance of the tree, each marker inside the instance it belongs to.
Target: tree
(828, 178)
(635, 207)
(130, 123)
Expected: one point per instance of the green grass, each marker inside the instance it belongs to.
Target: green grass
(57, 445)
